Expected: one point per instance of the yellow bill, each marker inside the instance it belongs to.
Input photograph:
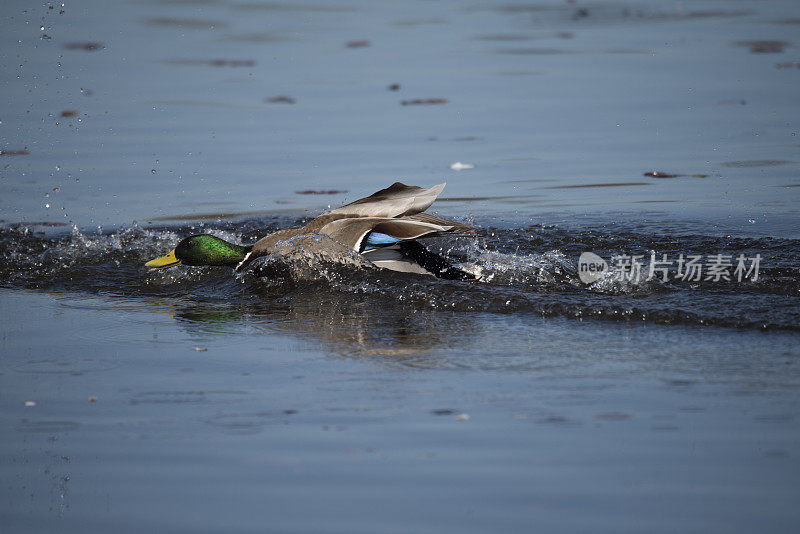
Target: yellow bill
(164, 262)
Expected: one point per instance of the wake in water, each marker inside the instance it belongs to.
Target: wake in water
(530, 270)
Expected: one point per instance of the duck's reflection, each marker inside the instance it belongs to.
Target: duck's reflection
(351, 325)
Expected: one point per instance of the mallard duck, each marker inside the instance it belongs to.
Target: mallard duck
(382, 229)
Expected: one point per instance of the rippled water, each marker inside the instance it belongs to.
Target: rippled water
(312, 397)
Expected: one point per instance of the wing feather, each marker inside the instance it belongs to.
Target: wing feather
(397, 200)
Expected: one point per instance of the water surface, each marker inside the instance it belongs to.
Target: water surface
(310, 397)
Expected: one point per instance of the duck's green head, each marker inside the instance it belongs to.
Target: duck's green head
(202, 249)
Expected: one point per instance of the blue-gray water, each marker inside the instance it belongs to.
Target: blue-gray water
(332, 400)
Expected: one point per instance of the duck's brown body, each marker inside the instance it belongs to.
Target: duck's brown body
(376, 231)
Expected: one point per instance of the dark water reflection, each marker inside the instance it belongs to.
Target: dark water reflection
(397, 335)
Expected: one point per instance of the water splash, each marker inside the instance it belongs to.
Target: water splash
(528, 270)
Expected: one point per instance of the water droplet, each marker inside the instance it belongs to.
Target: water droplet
(751, 221)
(47, 206)
(41, 28)
(58, 167)
(56, 189)
(152, 171)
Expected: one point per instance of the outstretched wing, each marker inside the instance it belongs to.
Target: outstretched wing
(397, 200)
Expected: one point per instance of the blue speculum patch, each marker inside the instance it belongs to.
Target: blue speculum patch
(377, 240)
